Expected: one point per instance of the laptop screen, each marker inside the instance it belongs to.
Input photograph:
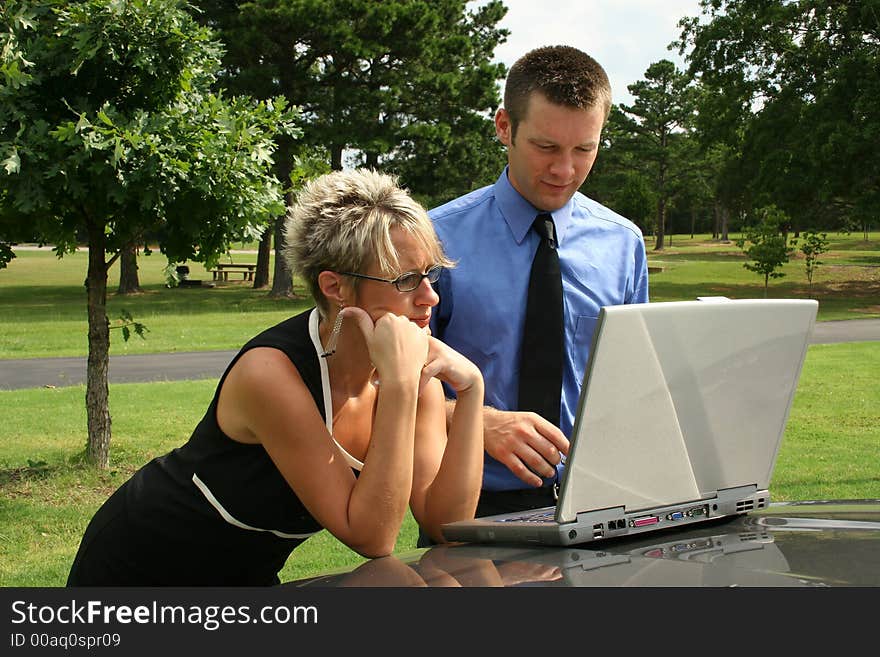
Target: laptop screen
(681, 399)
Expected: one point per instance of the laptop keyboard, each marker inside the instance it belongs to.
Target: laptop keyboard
(541, 515)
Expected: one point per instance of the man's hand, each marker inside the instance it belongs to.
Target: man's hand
(525, 442)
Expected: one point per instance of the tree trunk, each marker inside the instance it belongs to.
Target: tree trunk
(661, 200)
(693, 221)
(661, 224)
(129, 283)
(336, 157)
(261, 275)
(97, 392)
(282, 281)
(716, 227)
(725, 219)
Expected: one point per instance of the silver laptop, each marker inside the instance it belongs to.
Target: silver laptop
(679, 421)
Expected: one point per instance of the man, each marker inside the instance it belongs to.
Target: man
(556, 101)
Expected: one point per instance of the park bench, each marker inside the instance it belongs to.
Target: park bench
(221, 272)
(183, 279)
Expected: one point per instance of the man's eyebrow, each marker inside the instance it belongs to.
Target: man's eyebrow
(546, 141)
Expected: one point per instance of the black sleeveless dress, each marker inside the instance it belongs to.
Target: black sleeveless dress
(212, 512)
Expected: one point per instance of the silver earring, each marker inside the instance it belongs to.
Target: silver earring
(334, 335)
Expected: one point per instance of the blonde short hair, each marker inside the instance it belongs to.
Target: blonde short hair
(342, 221)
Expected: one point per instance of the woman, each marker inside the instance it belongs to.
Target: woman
(334, 418)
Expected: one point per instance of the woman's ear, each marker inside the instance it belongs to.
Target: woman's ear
(334, 288)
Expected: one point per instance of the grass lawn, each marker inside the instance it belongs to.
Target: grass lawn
(831, 447)
(846, 284)
(47, 495)
(49, 317)
(831, 450)
(50, 312)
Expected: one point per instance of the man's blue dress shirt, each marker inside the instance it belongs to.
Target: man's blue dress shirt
(483, 299)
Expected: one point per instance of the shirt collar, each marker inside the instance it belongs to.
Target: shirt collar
(520, 214)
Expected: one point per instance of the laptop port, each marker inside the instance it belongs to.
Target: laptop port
(675, 515)
(698, 511)
(644, 521)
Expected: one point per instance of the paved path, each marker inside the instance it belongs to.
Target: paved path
(58, 372)
(41, 372)
(846, 330)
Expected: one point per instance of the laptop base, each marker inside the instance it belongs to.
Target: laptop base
(605, 523)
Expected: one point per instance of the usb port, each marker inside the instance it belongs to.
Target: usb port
(644, 520)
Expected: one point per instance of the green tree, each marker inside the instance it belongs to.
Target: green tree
(616, 179)
(403, 85)
(109, 132)
(812, 245)
(792, 89)
(764, 245)
(662, 110)
(693, 189)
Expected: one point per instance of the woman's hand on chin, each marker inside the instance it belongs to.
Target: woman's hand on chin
(451, 367)
(398, 348)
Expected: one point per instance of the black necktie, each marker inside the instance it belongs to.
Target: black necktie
(540, 375)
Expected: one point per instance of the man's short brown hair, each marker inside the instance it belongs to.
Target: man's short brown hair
(563, 74)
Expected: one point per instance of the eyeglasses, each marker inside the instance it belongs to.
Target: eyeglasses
(406, 282)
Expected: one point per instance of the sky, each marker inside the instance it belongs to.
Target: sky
(624, 36)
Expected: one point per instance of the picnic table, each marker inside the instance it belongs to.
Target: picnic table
(221, 272)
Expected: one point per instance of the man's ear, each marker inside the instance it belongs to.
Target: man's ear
(503, 127)
(334, 288)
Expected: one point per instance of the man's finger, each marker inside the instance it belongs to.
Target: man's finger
(523, 473)
(552, 433)
(537, 462)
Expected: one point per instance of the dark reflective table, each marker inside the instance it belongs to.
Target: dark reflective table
(793, 544)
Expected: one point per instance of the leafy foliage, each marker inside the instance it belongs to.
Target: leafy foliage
(648, 151)
(793, 90)
(662, 110)
(113, 124)
(126, 323)
(812, 245)
(765, 246)
(400, 85)
(109, 130)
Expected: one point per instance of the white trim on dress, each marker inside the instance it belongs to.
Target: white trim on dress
(328, 412)
(232, 520)
(325, 385)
